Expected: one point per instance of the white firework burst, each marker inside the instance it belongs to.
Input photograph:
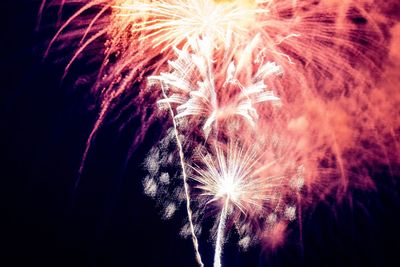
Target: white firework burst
(169, 23)
(237, 176)
(191, 85)
(235, 181)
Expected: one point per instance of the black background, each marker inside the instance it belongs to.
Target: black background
(107, 220)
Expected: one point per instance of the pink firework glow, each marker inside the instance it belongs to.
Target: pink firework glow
(268, 107)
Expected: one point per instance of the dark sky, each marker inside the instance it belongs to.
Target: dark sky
(107, 220)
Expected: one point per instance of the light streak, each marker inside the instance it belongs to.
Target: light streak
(220, 234)
(185, 184)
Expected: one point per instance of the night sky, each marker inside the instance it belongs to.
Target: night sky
(107, 220)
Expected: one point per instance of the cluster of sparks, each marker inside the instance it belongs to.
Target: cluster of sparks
(235, 77)
(198, 97)
(171, 23)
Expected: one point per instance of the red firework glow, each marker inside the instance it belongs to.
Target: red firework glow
(273, 105)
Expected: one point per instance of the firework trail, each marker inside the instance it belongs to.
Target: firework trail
(185, 184)
(313, 83)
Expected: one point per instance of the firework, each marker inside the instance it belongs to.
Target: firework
(229, 177)
(236, 182)
(196, 92)
(221, 68)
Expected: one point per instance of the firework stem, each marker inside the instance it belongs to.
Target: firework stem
(220, 234)
(185, 183)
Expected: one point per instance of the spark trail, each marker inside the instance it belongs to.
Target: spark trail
(185, 184)
(220, 234)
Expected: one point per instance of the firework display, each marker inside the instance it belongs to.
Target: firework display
(266, 106)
